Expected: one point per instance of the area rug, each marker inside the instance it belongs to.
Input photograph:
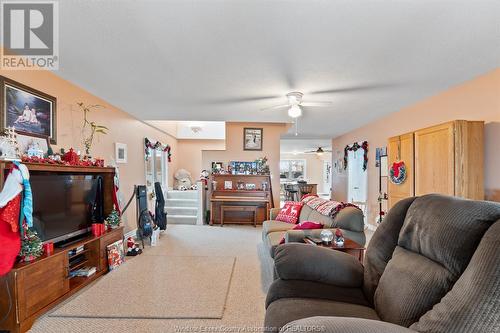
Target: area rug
(157, 287)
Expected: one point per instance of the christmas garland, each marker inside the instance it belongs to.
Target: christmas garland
(158, 145)
(355, 146)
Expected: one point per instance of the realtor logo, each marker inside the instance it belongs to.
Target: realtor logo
(30, 38)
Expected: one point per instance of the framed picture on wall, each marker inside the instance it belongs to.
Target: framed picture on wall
(29, 111)
(120, 152)
(252, 138)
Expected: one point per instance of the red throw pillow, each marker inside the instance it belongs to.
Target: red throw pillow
(290, 212)
(306, 225)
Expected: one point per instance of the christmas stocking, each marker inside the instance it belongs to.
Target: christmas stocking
(10, 239)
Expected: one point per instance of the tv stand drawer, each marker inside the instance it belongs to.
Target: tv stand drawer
(40, 285)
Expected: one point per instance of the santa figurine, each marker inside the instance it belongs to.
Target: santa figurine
(132, 247)
(12, 214)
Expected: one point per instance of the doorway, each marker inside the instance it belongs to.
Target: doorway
(357, 178)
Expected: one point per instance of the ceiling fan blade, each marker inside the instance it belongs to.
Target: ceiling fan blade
(231, 100)
(275, 107)
(318, 104)
(352, 89)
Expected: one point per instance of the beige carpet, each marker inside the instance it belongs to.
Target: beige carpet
(157, 286)
(245, 299)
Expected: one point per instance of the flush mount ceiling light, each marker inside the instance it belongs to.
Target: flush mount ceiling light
(195, 128)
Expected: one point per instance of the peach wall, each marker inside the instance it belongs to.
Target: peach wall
(122, 128)
(477, 99)
(234, 149)
(314, 168)
(190, 154)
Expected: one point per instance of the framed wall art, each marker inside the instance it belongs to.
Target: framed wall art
(120, 152)
(252, 138)
(29, 111)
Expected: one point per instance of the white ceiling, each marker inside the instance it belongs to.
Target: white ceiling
(211, 60)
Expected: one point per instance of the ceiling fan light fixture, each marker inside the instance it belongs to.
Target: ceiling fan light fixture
(295, 111)
(320, 151)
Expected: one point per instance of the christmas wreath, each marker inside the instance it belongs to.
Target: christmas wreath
(397, 173)
(355, 146)
(158, 145)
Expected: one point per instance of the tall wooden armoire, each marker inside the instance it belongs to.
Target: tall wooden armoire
(446, 159)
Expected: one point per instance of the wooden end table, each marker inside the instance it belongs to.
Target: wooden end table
(350, 247)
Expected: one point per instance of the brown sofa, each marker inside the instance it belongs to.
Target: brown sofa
(433, 265)
(350, 220)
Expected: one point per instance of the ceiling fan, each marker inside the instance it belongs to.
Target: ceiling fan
(294, 104)
(320, 151)
(294, 107)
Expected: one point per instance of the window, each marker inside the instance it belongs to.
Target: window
(292, 169)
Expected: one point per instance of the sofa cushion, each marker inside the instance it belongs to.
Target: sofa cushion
(304, 213)
(310, 289)
(447, 230)
(290, 212)
(306, 225)
(273, 226)
(298, 261)
(318, 217)
(281, 312)
(410, 286)
(272, 241)
(382, 245)
(473, 303)
(350, 218)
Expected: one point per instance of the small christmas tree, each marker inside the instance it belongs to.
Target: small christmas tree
(113, 219)
(31, 246)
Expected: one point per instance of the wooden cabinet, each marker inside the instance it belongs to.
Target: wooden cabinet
(31, 289)
(41, 285)
(446, 159)
(449, 159)
(400, 148)
(36, 287)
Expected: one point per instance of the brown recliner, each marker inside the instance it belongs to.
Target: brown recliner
(433, 265)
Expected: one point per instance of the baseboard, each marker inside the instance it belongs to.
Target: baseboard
(132, 233)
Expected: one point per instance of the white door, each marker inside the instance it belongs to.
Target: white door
(357, 190)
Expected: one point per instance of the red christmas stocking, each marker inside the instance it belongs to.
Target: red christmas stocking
(10, 238)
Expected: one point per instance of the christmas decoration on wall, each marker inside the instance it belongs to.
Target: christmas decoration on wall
(397, 173)
(156, 146)
(355, 146)
(113, 219)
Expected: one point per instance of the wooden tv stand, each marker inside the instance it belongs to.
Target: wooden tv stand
(36, 287)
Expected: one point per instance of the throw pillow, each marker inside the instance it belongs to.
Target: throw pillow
(306, 225)
(290, 212)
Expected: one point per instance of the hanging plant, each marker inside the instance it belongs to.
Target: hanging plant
(158, 145)
(355, 146)
(397, 173)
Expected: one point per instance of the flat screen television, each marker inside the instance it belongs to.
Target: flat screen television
(65, 205)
